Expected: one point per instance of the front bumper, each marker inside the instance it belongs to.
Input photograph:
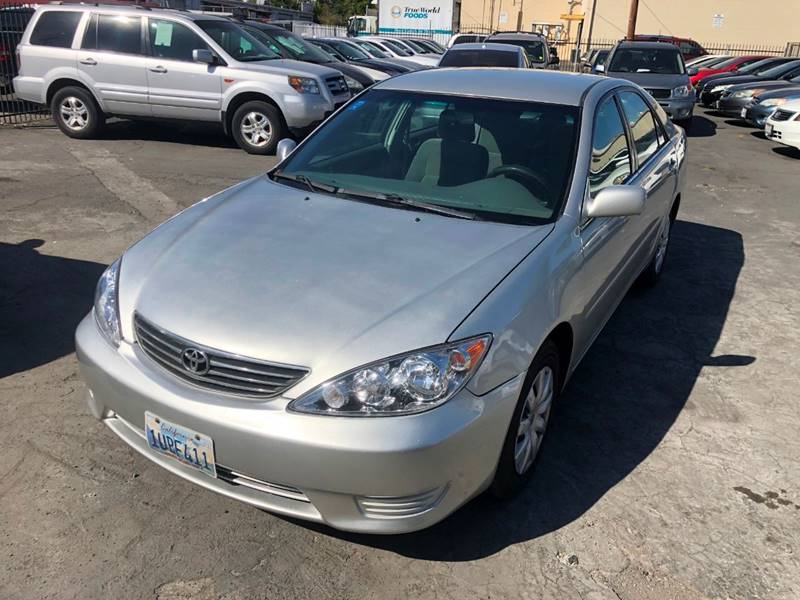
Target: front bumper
(757, 114)
(678, 109)
(709, 99)
(732, 107)
(786, 133)
(374, 475)
(303, 112)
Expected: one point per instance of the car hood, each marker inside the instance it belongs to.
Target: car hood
(759, 83)
(653, 80)
(786, 91)
(280, 274)
(287, 66)
(740, 79)
(382, 64)
(352, 71)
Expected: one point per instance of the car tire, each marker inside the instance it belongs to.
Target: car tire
(257, 127)
(653, 270)
(529, 422)
(76, 113)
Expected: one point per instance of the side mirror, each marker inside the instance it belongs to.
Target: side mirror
(285, 147)
(615, 201)
(203, 56)
(600, 68)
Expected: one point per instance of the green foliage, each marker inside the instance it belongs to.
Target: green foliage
(336, 12)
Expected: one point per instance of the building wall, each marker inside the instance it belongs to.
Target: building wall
(710, 21)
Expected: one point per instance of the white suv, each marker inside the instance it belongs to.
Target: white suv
(91, 62)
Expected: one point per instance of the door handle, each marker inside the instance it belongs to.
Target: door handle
(88, 61)
(158, 69)
(673, 164)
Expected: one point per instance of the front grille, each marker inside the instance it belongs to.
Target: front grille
(782, 115)
(225, 372)
(659, 93)
(285, 491)
(337, 85)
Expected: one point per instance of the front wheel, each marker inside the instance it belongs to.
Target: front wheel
(257, 127)
(652, 272)
(528, 423)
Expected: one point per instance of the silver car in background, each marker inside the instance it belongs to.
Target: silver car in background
(377, 330)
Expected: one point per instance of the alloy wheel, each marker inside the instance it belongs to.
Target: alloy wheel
(74, 113)
(661, 248)
(533, 420)
(256, 129)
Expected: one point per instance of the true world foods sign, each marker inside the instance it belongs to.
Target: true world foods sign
(432, 16)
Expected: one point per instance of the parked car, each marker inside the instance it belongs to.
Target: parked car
(402, 49)
(783, 126)
(421, 46)
(485, 55)
(466, 38)
(397, 305)
(594, 58)
(735, 98)
(389, 47)
(432, 44)
(770, 70)
(711, 89)
(658, 68)
(12, 24)
(350, 52)
(290, 45)
(688, 47)
(89, 62)
(766, 103)
(705, 62)
(535, 46)
(735, 64)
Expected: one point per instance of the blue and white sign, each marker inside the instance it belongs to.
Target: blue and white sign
(427, 15)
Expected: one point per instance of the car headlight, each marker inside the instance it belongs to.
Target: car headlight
(401, 385)
(774, 102)
(682, 91)
(720, 88)
(304, 85)
(354, 86)
(106, 307)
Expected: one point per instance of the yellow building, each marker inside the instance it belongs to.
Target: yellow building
(740, 22)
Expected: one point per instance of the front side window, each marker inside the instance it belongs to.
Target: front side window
(666, 61)
(611, 161)
(492, 159)
(114, 34)
(237, 42)
(174, 41)
(643, 126)
(55, 28)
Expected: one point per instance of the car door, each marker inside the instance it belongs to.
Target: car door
(179, 87)
(111, 57)
(656, 172)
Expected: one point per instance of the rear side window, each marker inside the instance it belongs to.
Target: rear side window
(114, 34)
(611, 161)
(642, 123)
(55, 28)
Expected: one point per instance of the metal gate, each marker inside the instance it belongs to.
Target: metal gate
(13, 19)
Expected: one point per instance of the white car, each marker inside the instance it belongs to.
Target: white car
(783, 126)
(397, 49)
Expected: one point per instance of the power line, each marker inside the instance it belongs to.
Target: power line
(656, 17)
(602, 18)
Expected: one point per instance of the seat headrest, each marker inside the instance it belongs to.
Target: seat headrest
(457, 126)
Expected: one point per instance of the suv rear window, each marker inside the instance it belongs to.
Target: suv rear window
(55, 28)
(479, 58)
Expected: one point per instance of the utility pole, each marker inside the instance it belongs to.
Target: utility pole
(632, 19)
(591, 25)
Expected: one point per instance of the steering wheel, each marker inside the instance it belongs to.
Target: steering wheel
(540, 188)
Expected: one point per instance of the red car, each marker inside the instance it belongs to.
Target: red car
(732, 64)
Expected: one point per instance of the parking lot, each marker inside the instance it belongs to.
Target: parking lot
(670, 470)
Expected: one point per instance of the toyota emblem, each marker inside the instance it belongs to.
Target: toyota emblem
(195, 361)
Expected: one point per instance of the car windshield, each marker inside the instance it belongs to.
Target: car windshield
(479, 58)
(293, 46)
(398, 48)
(372, 50)
(237, 42)
(754, 66)
(534, 48)
(780, 70)
(348, 50)
(418, 47)
(663, 61)
(492, 159)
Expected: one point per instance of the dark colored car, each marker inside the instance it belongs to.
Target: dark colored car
(736, 98)
(290, 45)
(737, 63)
(688, 47)
(349, 52)
(769, 69)
(594, 58)
(764, 104)
(486, 55)
(708, 62)
(12, 25)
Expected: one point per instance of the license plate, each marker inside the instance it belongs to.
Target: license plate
(180, 443)
(768, 129)
(744, 113)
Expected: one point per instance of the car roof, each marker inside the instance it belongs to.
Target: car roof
(515, 35)
(488, 46)
(552, 87)
(647, 45)
(134, 10)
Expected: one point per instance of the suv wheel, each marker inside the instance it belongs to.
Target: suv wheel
(528, 424)
(76, 113)
(257, 127)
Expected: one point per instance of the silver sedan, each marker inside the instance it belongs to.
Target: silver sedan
(378, 329)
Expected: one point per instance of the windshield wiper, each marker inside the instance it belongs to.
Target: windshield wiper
(399, 200)
(313, 186)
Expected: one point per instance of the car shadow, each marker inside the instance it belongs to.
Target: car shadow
(759, 134)
(787, 151)
(42, 300)
(701, 127)
(738, 123)
(621, 402)
(175, 132)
